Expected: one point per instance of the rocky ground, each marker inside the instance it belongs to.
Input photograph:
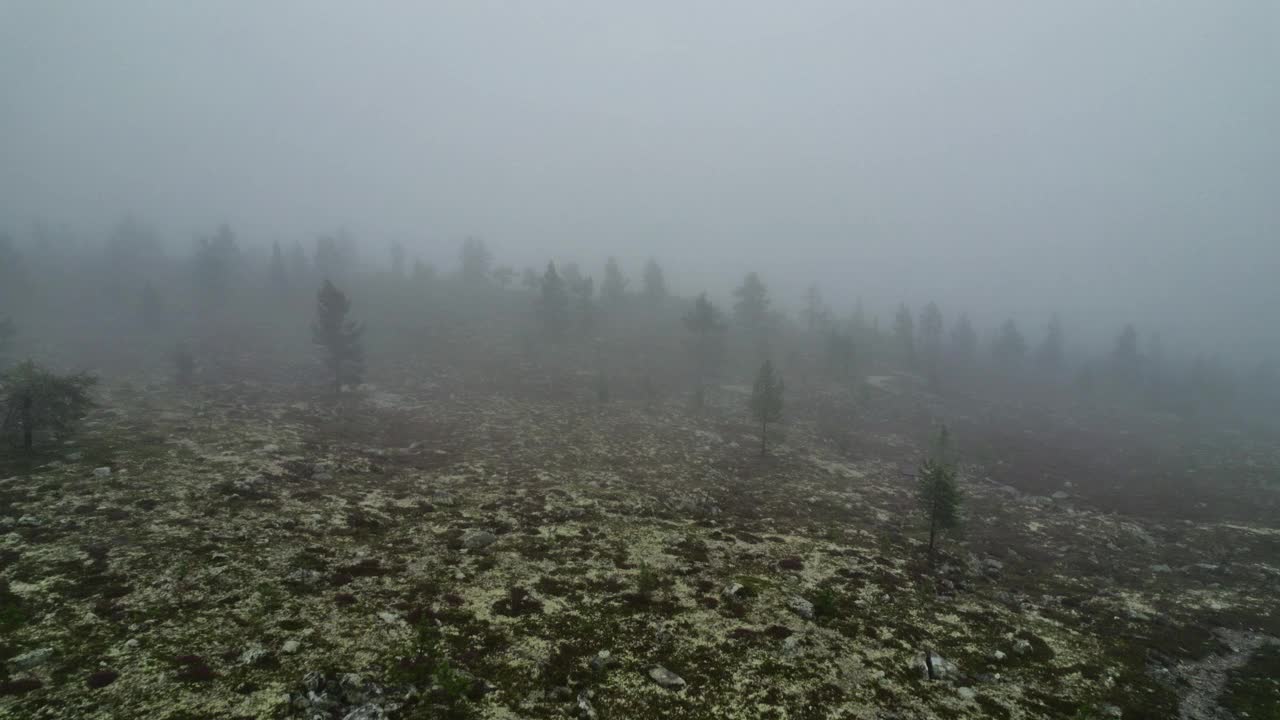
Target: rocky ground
(248, 551)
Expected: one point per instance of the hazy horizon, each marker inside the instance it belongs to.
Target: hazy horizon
(1111, 162)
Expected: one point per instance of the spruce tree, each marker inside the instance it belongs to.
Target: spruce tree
(1010, 347)
(39, 404)
(904, 331)
(217, 260)
(553, 304)
(339, 337)
(707, 345)
(937, 491)
(655, 283)
(614, 287)
(766, 400)
(751, 308)
(815, 311)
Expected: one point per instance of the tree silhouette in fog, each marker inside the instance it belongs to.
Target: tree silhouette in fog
(655, 283)
(338, 336)
(553, 304)
(707, 327)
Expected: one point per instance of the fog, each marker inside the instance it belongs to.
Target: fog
(748, 360)
(1110, 162)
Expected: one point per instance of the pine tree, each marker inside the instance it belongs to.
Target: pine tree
(751, 309)
(937, 491)
(707, 346)
(904, 331)
(1010, 347)
(815, 311)
(38, 403)
(339, 336)
(614, 287)
(217, 259)
(655, 284)
(766, 400)
(553, 305)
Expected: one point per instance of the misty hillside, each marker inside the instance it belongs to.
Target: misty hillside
(871, 361)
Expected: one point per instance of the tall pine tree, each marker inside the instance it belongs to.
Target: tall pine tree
(338, 336)
(937, 492)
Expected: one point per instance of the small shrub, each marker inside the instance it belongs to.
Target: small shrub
(825, 603)
(648, 581)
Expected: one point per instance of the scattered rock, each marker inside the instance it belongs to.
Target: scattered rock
(966, 693)
(800, 606)
(478, 539)
(791, 563)
(791, 645)
(933, 667)
(601, 661)
(290, 647)
(101, 679)
(666, 678)
(102, 472)
(255, 655)
(32, 658)
(366, 712)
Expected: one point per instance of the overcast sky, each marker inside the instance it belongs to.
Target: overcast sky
(1117, 157)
